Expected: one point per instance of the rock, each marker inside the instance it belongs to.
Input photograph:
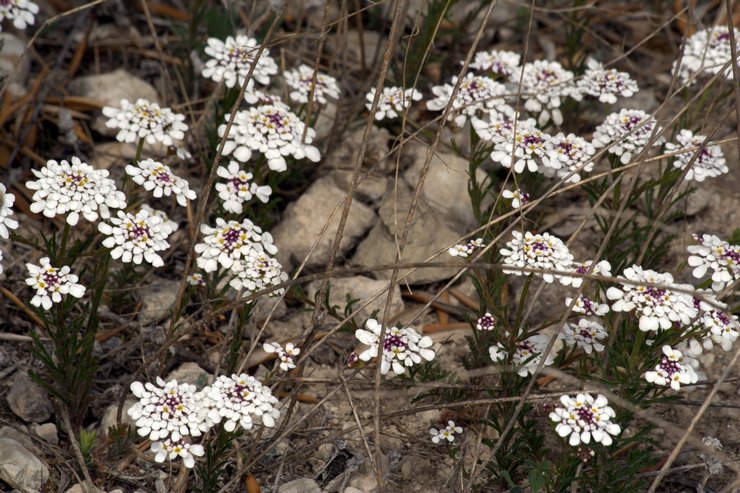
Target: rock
(12, 62)
(427, 236)
(79, 489)
(364, 482)
(157, 299)
(109, 417)
(352, 489)
(190, 373)
(363, 288)
(110, 88)
(300, 485)
(21, 434)
(371, 41)
(376, 155)
(371, 186)
(28, 401)
(445, 187)
(324, 124)
(112, 154)
(20, 468)
(304, 219)
(47, 432)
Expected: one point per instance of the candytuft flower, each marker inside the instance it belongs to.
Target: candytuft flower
(228, 242)
(232, 59)
(499, 63)
(146, 120)
(284, 354)
(7, 200)
(606, 83)
(135, 238)
(158, 178)
(401, 347)
(627, 132)
(524, 148)
(240, 400)
(716, 256)
(540, 251)
(588, 307)
(392, 101)
(172, 449)
(671, 371)
(585, 335)
(477, 95)
(602, 268)
(21, 12)
(301, 80)
(517, 197)
(707, 52)
(466, 249)
(709, 163)
(256, 271)
(239, 188)
(447, 433)
(486, 322)
(528, 354)
(584, 418)
(74, 189)
(51, 283)
(544, 85)
(570, 156)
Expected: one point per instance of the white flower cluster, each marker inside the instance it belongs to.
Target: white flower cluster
(586, 335)
(256, 271)
(584, 418)
(538, 251)
(392, 101)
(301, 80)
(272, 130)
(232, 59)
(602, 268)
(524, 147)
(445, 434)
(716, 256)
(135, 238)
(465, 249)
(7, 200)
(518, 197)
(707, 51)
(570, 156)
(401, 348)
(544, 85)
(486, 322)
(284, 354)
(718, 326)
(588, 307)
(238, 188)
(606, 84)
(74, 189)
(627, 133)
(499, 63)
(146, 120)
(51, 283)
(171, 414)
(527, 355)
(658, 307)
(709, 163)
(672, 370)
(21, 12)
(157, 178)
(477, 95)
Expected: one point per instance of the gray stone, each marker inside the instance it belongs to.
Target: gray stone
(305, 218)
(427, 236)
(28, 401)
(363, 288)
(78, 488)
(157, 300)
(371, 186)
(352, 489)
(20, 468)
(47, 432)
(110, 88)
(376, 157)
(13, 64)
(300, 485)
(190, 373)
(109, 417)
(19, 433)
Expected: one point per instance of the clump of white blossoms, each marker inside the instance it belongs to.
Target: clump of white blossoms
(6, 209)
(228, 242)
(21, 12)
(517, 197)
(606, 83)
(392, 101)
(499, 63)
(602, 268)
(528, 354)
(570, 156)
(586, 335)
(486, 322)
(659, 308)
(256, 271)
(136, 238)
(445, 434)
(284, 354)
(588, 307)
(706, 52)
(496, 128)
(238, 188)
(51, 283)
(167, 409)
(524, 147)
(172, 449)
(477, 95)
(272, 130)
(671, 371)
(709, 163)
(465, 249)
(722, 328)
(240, 400)
(74, 189)
(168, 226)
(544, 85)
(539, 251)
(232, 59)
(584, 418)
(627, 132)
(714, 255)
(301, 80)
(158, 178)
(401, 348)
(146, 120)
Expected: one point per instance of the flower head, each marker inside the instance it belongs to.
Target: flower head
(528, 354)
(477, 95)
(196, 279)
(392, 101)
(401, 347)
(486, 322)
(466, 249)
(21, 12)
(517, 197)
(232, 59)
(284, 354)
(525, 146)
(6, 209)
(671, 371)
(709, 163)
(659, 308)
(586, 335)
(602, 268)
(51, 283)
(606, 83)
(539, 251)
(228, 242)
(134, 238)
(570, 156)
(238, 188)
(256, 271)
(172, 449)
(544, 85)
(447, 433)
(588, 307)
(240, 400)
(304, 79)
(716, 256)
(707, 52)
(158, 178)
(145, 120)
(627, 132)
(584, 418)
(500, 63)
(272, 130)
(168, 226)
(74, 189)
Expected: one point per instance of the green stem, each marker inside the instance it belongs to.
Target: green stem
(522, 300)
(62, 253)
(139, 150)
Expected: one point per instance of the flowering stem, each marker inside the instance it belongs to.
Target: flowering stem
(62, 253)
(139, 150)
(522, 300)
